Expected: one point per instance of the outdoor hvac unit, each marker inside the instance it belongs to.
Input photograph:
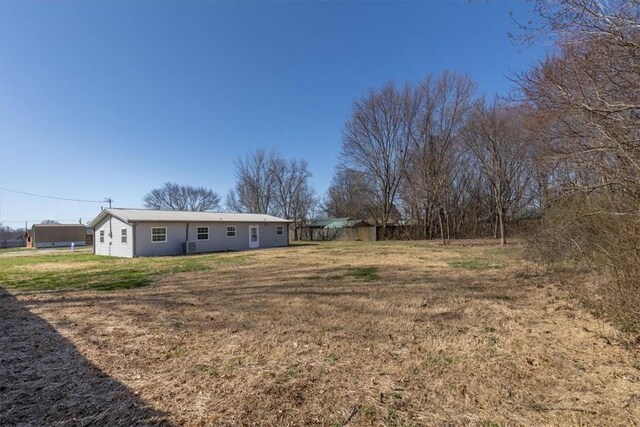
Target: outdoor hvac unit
(189, 247)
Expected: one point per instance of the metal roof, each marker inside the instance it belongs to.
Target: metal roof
(57, 225)
(147, 215)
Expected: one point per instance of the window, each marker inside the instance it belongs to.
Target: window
(101, 236)
(159, 234)
(231, 231)
(203, 233)
(279, 229)
(123, 235)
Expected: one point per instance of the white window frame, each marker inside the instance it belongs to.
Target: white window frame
(124, 235)
(229, 227)
(164, 234)
(198, 233)
(101, 236)
(279, 229)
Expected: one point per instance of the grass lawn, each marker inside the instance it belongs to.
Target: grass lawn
(330, 334)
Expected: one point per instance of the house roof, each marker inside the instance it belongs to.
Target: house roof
(57, 225)
(147, 215)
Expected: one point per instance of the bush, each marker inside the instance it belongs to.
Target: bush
(594, 247)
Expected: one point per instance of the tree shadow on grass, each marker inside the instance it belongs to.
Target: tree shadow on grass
(44, 380)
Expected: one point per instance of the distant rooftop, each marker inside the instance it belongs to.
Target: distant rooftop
(58, 225)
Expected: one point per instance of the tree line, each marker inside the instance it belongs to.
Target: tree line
(437, 155)
(434, 155)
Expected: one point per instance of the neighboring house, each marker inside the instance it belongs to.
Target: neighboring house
(338, 229)
(141, 232)
(57, 235)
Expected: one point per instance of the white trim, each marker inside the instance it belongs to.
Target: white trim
(125, 235)
(279, 229)
(234, 231)
(101, 237)
(198, 232)
(159, 241)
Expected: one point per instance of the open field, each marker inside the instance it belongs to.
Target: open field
(358, 334)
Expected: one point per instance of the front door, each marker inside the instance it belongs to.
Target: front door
(254, 236)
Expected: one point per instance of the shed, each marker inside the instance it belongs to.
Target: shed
(143, 232)
(58, 235)
(339, 229)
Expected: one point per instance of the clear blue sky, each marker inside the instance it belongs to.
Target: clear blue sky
(113, 99)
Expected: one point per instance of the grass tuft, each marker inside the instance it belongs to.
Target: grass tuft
(439, 359)
(208, 369)
(365, 273)
(476, 264)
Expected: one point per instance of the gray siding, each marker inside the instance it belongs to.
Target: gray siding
(176, 233)
(113, 238)
(218, 239)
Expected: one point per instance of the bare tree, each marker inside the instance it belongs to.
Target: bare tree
(175, 197)
(494, 134)
(350, 195)
(591, 88)
(254, 189)
(7, 232)
(434, 166)
(49, 222)
(376, 141)
(292, 195)
(270, 184)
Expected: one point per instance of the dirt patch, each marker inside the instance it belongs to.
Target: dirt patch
(374, 333)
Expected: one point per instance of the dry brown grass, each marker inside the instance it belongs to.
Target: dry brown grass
(361, 334)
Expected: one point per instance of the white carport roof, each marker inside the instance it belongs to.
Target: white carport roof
(147, 215)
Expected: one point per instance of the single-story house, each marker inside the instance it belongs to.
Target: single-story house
(143, 232)
(57, 235)
(338, 229)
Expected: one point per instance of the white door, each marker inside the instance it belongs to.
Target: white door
(254, 236)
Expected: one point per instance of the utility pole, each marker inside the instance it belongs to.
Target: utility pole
(108, 200)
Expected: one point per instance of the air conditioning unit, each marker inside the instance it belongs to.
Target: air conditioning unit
(189, 247)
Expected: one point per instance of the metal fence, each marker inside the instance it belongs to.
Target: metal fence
(12, 243)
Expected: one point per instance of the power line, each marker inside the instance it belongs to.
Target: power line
(57, 198)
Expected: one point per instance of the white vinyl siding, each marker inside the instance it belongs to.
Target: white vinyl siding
(113, 238)
(159, 234)
(202, 233)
